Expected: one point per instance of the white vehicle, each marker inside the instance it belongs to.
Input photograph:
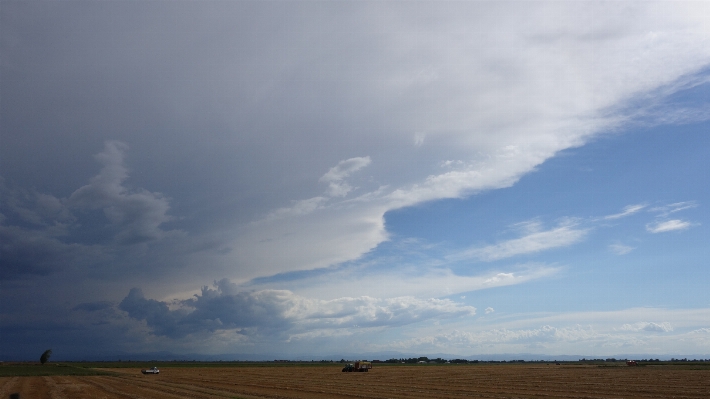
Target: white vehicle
(152, 370)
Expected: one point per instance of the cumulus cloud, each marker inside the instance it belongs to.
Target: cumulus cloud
(136, 214)
(668, 225)
(648, 326)
(156, 314)
(502, 338)
(576, 332)
(489, 310)
(374, 312)
(268, 312)
(43, 234)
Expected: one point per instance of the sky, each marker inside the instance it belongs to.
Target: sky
(311, 179)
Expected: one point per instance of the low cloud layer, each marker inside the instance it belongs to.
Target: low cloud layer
(600, 334)
(648, 326)
(269, 312)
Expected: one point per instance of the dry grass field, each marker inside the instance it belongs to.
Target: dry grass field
(426, 381)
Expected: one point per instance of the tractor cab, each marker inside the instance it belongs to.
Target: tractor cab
(361, 366)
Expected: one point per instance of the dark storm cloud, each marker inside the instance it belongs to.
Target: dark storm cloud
(33, 229)
(93, 306)
(42, 234)
(83, 332)
(135, 215)
(249, 313)
(156, 314)
(32, 208)
(28, 252)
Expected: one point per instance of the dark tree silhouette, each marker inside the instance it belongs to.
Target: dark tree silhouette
(45, 356)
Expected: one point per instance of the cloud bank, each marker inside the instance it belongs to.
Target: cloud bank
(269, 312)
(267, 143)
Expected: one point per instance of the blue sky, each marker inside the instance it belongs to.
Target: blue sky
(618, 262)
(314, 179)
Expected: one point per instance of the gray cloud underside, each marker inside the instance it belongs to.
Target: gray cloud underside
(270, 312)
(44, 234)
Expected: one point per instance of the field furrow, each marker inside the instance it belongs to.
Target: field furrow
(392, 382)
(7, 386)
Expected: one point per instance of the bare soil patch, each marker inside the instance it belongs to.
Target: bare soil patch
(445, 381)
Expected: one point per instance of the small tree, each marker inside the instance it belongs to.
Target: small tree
(45, 356)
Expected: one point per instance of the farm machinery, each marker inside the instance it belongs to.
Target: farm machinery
(361, 366)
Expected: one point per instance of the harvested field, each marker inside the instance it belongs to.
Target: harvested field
(443, 381)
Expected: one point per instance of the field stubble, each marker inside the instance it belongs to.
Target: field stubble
(450, 381)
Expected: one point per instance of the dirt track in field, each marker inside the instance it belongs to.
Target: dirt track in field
(451, 381)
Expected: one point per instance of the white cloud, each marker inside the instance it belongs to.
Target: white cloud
(666, 210)
(620, 249)
(500, 340)
(451, 163)
(299, 208)
(629, 210)
(309, 241)
(585, 333)
(668, 225)
(267, 312)
(648, 326)
(501, 121)
(537, 241)
(489, 310)
(335, 177)
(373, 312)
(419, 139)
(662, 226)
(403, 281)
